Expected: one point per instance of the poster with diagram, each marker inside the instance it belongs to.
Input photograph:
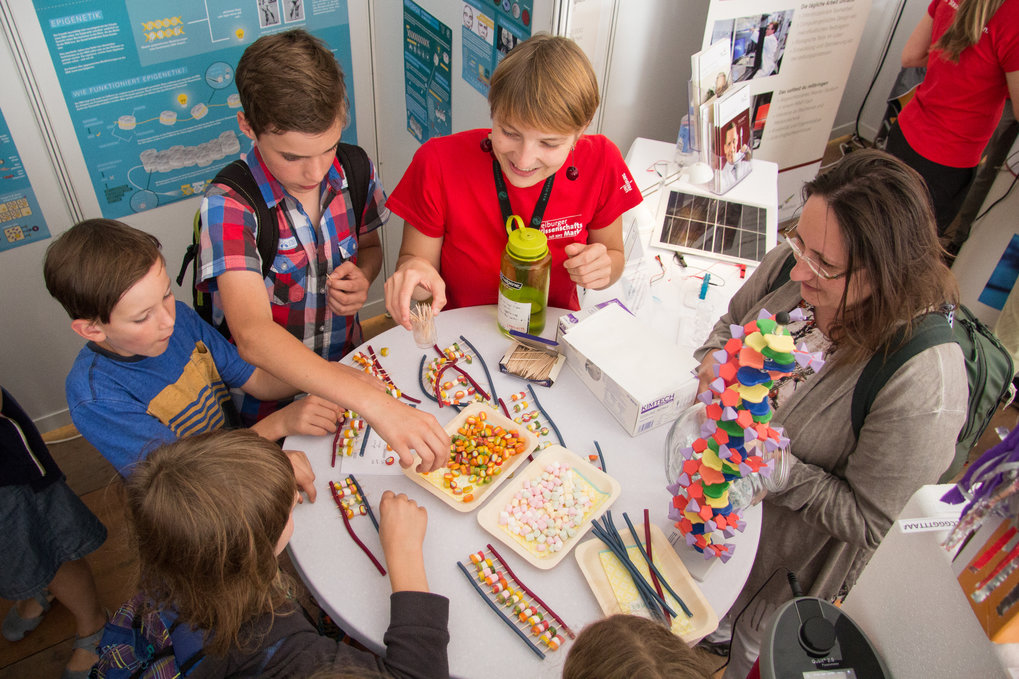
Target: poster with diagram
(150, 86)
(21, 221)
(491, 28)
(427, 69)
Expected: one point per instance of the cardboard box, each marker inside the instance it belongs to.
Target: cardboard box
(643, 379)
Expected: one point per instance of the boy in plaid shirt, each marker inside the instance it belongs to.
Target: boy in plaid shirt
(301, 317)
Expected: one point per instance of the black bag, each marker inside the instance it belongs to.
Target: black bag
(357, 169)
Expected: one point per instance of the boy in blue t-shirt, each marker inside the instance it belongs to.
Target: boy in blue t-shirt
(153, 371)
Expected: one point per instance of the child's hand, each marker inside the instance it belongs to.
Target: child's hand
(407, 429)
(589, 265)
(402, 526)
(346, 289)
(311, 416)
(303, 473)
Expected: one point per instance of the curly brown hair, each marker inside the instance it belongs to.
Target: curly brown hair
(204, 515)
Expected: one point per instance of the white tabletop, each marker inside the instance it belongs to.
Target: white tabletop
(350, 589)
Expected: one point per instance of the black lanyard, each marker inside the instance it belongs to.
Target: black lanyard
(504, 202)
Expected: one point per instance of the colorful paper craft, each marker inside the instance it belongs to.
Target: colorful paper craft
(737, 438)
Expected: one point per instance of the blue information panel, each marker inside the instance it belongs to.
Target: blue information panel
(427, 52)
(150, 86)
(491, 28)
(20, 219)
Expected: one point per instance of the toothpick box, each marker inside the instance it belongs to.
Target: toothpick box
(639, 376)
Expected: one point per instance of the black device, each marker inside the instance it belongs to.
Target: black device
(810, 638)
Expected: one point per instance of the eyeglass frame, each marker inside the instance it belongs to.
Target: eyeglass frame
(796, 244)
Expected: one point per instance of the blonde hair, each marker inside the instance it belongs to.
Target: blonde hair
(546, 83)
(631, 647)
(968, 25)
(205, 514)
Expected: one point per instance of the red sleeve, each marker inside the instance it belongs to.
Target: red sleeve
(420, 197)
(1006, 44)
(618, 192)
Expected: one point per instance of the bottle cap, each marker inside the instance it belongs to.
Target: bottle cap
(525, 243)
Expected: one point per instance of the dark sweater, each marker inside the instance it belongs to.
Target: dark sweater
(21, 463)
(415, 641)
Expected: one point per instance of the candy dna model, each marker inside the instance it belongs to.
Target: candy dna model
(736, 440)
(499, 586)
(444, 378)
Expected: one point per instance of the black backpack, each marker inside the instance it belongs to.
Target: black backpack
(989, 369)
(357, 169)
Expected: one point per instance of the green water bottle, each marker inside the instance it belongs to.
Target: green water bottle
(523, 279)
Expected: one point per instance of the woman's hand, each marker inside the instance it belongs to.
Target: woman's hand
(412, 274)
(705, 373)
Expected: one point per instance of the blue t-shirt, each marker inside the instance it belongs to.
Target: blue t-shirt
(127, 406)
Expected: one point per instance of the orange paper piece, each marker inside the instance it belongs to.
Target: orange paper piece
(733, 346)
(744, 419)
(751, 358)
(728, 371)
(711, 476)
(730, 398)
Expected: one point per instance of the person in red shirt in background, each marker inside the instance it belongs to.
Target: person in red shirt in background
(971, 51)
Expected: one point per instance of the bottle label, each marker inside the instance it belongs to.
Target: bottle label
(509, 283)
(514, 315)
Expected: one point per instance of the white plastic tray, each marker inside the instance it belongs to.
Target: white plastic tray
(704, 620)
(432, 481)
(607, 490)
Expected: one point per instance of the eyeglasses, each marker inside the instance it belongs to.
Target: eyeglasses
(796, 243)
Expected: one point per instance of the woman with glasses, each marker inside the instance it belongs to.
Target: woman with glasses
(867, 263)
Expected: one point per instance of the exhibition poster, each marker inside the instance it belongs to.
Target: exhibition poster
(427, 73)
(21, 220)
(491, 28)
(796, 58)
(150, 87)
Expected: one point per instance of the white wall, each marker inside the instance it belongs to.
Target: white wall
(875, 34)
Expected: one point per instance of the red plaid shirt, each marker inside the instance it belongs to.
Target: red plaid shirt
(296, 283)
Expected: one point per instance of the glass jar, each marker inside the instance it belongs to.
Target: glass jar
(523, 279)
(743, 492)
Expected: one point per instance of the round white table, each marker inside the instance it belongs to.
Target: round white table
(356, 596)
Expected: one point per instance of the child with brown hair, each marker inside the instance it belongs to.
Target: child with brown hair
(208, 516)
(632, 647)
(299, 316)
(152, 370)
